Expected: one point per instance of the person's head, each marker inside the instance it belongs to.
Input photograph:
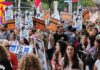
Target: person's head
(32, 31)
(3, 53)
(12, 35)
(71, 55)
(61, 47)
(30, 62)
(97, 41)
(6, 43)
(71, 51)
(39, 34)
(98, 55)
(3, 27)
(94, 31)
(60, 29)
(24, 41)
(83, 39)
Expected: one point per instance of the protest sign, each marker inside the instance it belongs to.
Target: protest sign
(28, 20)
(21, 50)
(9, 12)
(24, 33)
(39, 24)
(40, 52)
(17, 19)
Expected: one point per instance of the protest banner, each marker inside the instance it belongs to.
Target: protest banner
(86, 15)
(39, 24)
(9, 12)
(24, 33)
(10, 24)
(65, 16)
(94, 17)
(40, 52)
(20, 50)
(53, 24)
(17, 19)
(28, 20)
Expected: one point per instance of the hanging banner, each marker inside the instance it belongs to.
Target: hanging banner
(67, 0)
(17, 20)
(24, 34)
(28, 20)
(21, 50)
(9, 12)
(40, 52)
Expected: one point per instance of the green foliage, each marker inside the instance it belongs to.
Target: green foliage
(87, 3)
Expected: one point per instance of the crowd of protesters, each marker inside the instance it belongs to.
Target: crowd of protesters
(65, 49)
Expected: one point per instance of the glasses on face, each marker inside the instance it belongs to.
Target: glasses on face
(7, 46)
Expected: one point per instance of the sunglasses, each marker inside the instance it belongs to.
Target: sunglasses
(7, 45)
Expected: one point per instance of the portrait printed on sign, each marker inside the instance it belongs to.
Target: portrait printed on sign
(17, 20)
(28, 20)
(40, 51)
(9, 12)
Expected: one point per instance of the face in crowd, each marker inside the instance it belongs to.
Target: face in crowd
(60, 29)
(70, 51)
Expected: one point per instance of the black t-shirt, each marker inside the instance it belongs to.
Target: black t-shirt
(58, 37)
(5, 63)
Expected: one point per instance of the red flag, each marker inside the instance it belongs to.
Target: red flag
(74, 1)
(36, 3)
(6, 3)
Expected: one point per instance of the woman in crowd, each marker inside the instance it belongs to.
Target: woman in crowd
(97, 63)
(24, 42)
(12, 56)
(30, 62)
(58, 54)
(70, 60)
(4, 62)
(12, 39)
(82, 49)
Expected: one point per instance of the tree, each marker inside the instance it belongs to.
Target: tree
(87, 3)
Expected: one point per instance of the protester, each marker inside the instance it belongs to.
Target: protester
(24, 42)
(97, 63)
(30, 62)
(4, 62)
(60, 34)
(58, 54)
(13, 38)
(70, 60)
(12, 57)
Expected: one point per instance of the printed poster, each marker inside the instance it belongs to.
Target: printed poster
(9, 12)
(17, 20)
(28, 20)
(40, 51)
(21, 50)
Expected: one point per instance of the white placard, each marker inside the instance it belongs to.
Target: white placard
(40, 51)
(28, 20)
(9, 12)
(20, 51)
(17, 20)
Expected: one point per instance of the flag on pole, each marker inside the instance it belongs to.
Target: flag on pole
(74, 1)
(37, 3)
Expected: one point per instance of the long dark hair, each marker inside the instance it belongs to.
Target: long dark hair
(63, 46)
(75, 60)
(26, 41)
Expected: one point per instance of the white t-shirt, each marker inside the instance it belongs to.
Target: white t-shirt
(2, 67)
(97, 64)
(70, 65)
